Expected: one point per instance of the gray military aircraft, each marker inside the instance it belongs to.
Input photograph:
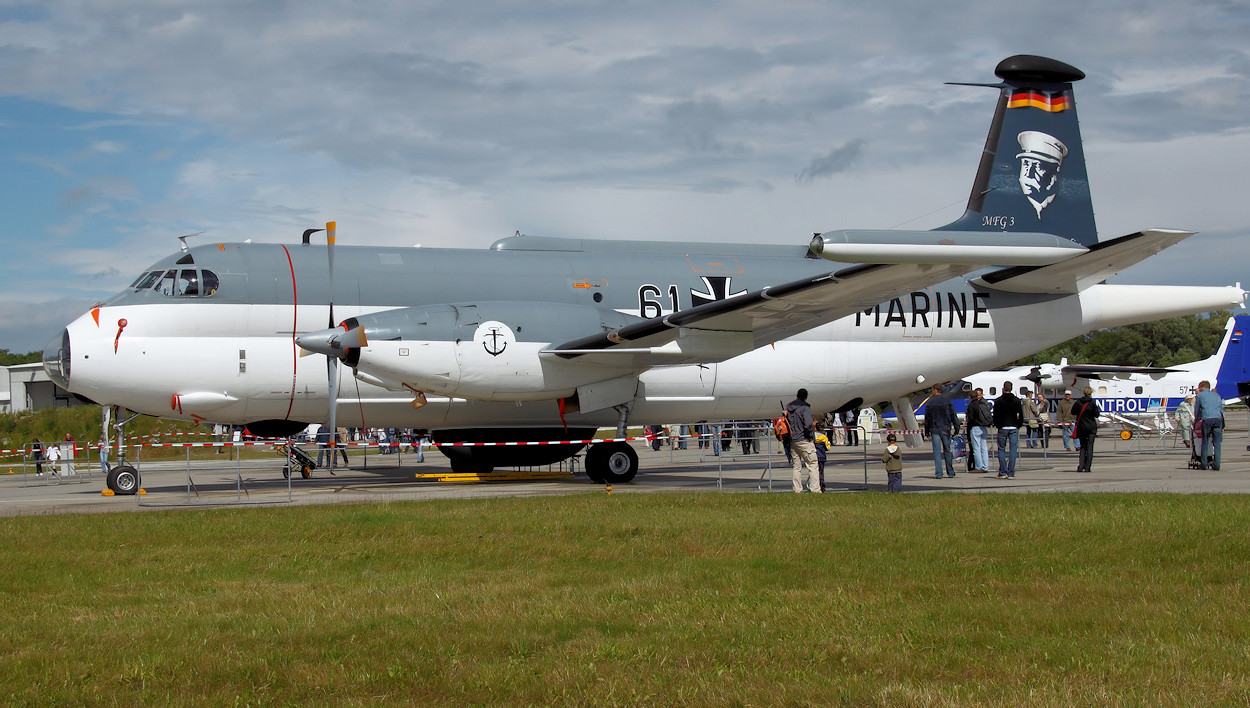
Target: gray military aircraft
(548, 339)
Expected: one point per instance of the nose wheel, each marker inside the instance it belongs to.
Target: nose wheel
(611, 462)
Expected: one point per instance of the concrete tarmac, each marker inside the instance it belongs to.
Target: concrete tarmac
(1137, 465)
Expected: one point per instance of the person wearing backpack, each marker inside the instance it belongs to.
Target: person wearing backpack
(802, 443)
(781, 430)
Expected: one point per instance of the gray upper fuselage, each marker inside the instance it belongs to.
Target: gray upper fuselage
(524, 268)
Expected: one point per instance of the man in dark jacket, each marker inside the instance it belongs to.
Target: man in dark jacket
(980, 417)
(803, 442)
(1086, 411)
(940, 423)
(1008, 417)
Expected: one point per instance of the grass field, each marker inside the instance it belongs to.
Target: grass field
(865, 599)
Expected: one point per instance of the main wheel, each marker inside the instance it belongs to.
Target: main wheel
(611, 462)
(123, 479)
(597, 462)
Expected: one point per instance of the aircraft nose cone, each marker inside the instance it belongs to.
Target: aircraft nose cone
(56, 359)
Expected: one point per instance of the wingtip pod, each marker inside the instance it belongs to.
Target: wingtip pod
(954, 247)
(1120, 305)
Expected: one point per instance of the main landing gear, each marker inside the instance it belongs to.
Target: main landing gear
(613, 462)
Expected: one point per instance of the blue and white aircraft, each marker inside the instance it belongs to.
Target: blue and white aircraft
(548, 339)
(1131, 390)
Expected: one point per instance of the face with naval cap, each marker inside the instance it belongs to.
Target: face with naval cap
(1040, 158)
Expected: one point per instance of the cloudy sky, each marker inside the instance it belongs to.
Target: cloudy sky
(126, 123)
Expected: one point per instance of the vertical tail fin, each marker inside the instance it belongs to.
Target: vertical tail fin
(1032, 174)
(1233, 378)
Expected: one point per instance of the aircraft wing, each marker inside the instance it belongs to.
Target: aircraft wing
(893, 264)
(723, 329)
(1093, 371)
(1103, 260)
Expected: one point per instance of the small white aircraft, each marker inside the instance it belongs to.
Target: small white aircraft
(1131, 391)
(546, 339)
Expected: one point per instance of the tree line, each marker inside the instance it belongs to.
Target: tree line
(8, 358)
(1162, 343)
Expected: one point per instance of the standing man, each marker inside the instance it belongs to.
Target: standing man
(1087, 413)
(849, 419)
(940, 423)
(1008, 417)
(1066, 417)
(979, 418)
(323, 446)
(802, 442)
(1031, 415)
(1209, 408)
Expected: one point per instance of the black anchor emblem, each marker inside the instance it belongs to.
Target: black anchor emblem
(492, 345)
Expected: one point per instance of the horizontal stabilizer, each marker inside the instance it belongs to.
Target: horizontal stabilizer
(1102, 261)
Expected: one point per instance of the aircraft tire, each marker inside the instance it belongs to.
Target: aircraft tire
(611, 463)
(594, 465)
(123, 480)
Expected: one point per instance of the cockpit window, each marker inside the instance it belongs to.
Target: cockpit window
(145, 281)
(165, 285)
(208, 283)
(186, 282)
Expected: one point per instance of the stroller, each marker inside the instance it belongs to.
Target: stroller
(1195, 449)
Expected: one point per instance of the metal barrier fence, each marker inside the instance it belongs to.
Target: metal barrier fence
(724, 442)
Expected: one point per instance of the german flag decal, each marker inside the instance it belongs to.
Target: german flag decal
(1037, 99)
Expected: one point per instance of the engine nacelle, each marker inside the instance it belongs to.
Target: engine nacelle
(483, 351)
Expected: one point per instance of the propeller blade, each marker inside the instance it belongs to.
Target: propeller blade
(332, 372)
(330, 236)
(336, 349)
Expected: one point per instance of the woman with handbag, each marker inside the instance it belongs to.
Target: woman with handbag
(1087, 413)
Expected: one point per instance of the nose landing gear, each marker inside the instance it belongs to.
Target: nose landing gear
(122, 478)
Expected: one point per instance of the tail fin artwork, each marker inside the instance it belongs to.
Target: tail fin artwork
(1032, 173)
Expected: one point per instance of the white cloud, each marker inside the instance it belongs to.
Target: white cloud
(458, 123)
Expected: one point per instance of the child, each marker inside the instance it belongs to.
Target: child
(822, 445)
(893, 459)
